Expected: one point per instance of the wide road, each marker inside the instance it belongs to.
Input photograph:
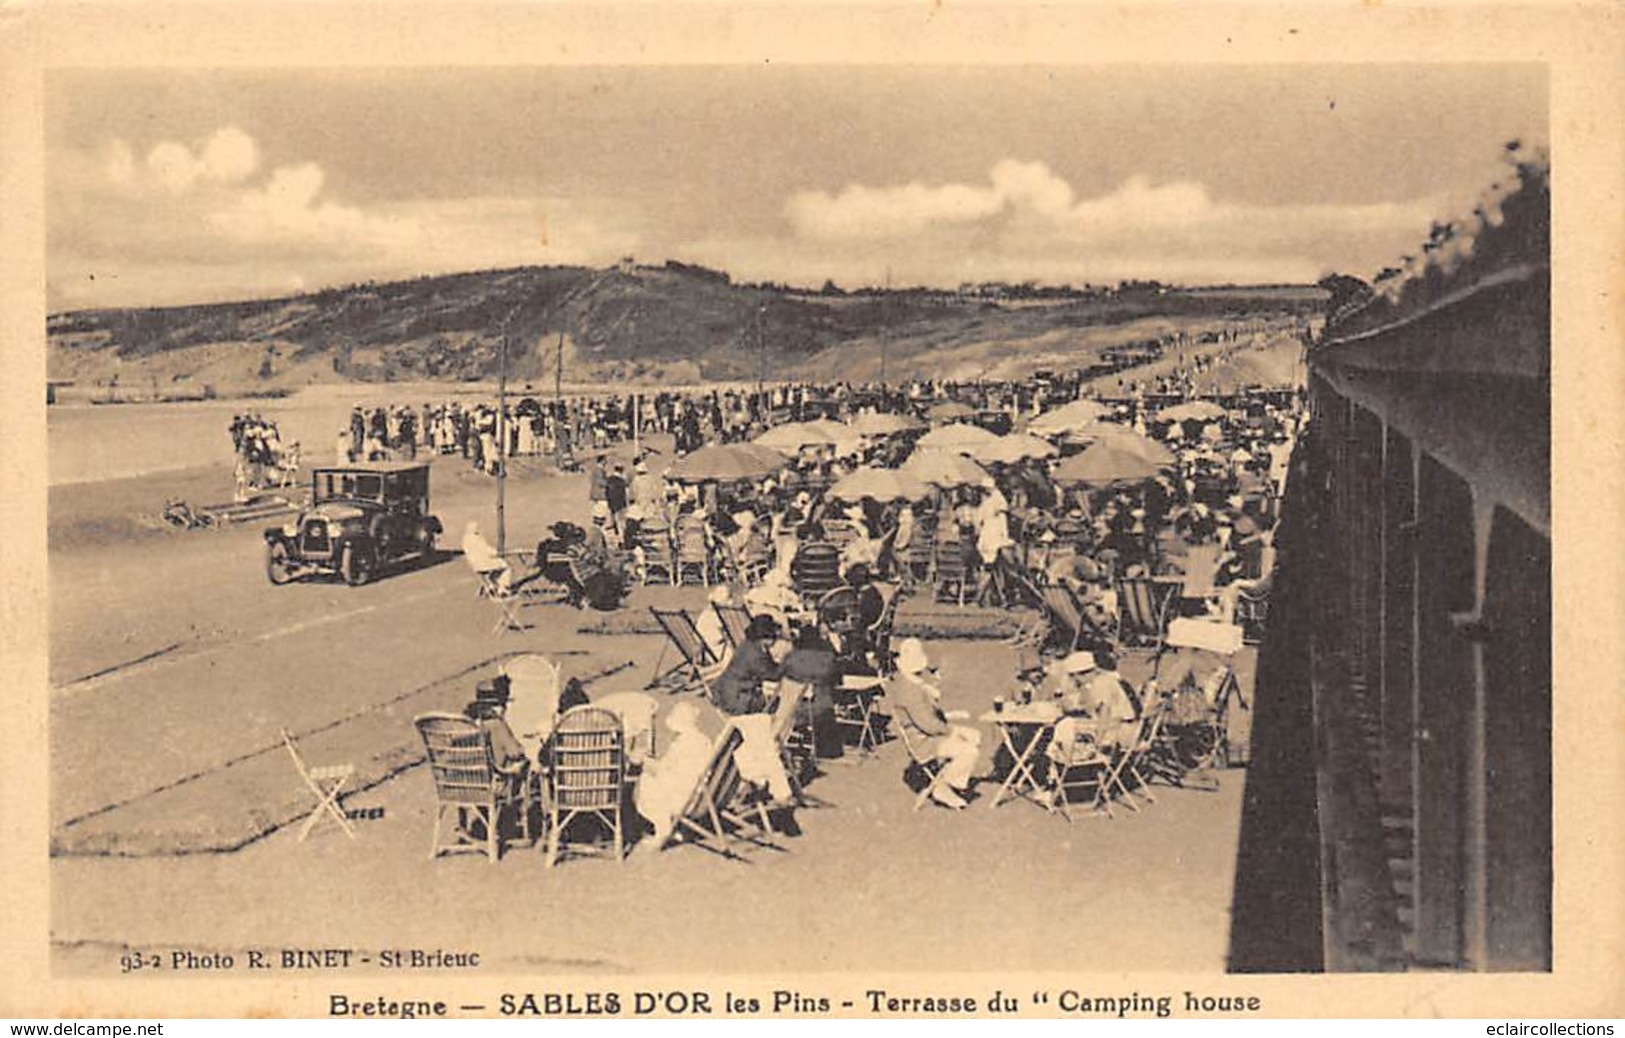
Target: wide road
(173, 654)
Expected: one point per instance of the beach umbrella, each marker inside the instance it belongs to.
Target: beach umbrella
(1076, 415)
(1104, 464)
(949, 410)
(959, 436)
(1127, 440)
(1193, 411)
(884, 424)
(1009, 449)
(793, 436)
(727, 462)
(944, 468)
(880, 484)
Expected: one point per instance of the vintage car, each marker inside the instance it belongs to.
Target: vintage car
(361, 519)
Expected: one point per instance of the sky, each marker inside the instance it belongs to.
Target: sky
(176, 186)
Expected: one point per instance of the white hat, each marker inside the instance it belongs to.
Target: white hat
(911, 657)
(600, 510)
(1079, 662)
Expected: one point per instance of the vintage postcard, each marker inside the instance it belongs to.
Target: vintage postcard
(807, 510)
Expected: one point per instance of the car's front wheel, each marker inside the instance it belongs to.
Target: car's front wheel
(278, 568)
(356, 564)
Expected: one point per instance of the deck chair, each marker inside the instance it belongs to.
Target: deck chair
(1142, 610)
(469, 785)
(1065, 623)
(1034, 632)
(1083, 765)
(792, 732)
(735, 622)
(927, 766)
(586, 770)
(659, 557)
(696, 666)
(709, 819)
(327, 782)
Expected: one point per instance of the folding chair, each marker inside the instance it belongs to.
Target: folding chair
(709, 818)
(1184, 742)
(927, 766)
(327, 782)
(735, 622)
(697, 664)
(1142, 610)
(469, 784)
(586, 769)
(855, 701)
(1082, 764)
(1124, 763)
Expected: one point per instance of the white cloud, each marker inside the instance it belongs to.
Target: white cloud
(230, 156)
(174, 166)
(1027, 222)
(185, 224)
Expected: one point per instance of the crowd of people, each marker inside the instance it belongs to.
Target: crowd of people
(819, 570)
(262, 460)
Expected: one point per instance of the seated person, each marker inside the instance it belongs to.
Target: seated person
(1114, 704)
(916, 705)
(490, 703)
(709, 623)
(774, 597)
(667, 781)
(738, 689)
(1077, 734)
(738, 692)
(857, 639)
(811, 661)
(484, 558)
(1249, 569)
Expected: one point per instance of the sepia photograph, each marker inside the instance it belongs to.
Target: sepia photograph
(814, 520)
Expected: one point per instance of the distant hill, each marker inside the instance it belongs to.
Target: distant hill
(650, 324)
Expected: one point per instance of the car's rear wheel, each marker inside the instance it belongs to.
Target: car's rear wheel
(278, 568)
(356, 565)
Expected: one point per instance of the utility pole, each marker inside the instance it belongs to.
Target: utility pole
(558, 370)
(502, 446)
(761, 353)
(885, 329)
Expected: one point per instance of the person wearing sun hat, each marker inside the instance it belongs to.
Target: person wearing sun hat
(917, 704)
